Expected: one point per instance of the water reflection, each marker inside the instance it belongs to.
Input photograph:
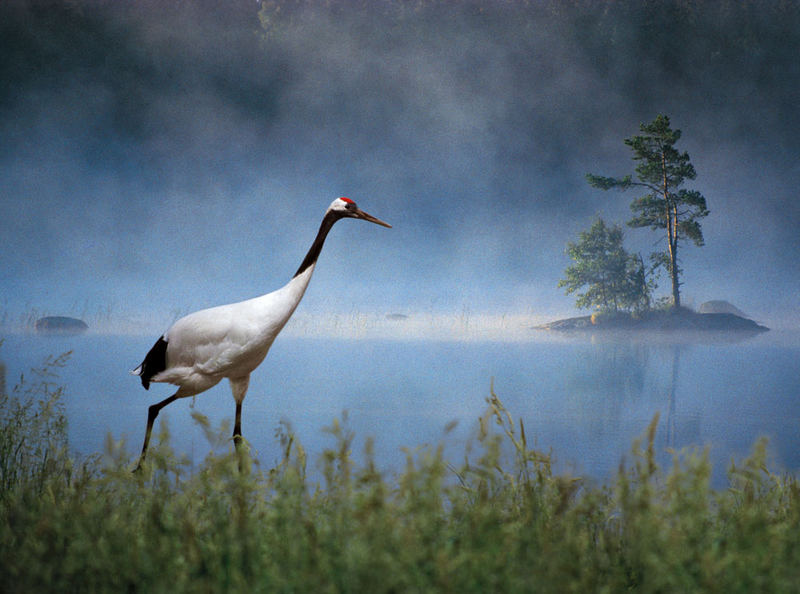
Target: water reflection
(673, 385)
(723, 392)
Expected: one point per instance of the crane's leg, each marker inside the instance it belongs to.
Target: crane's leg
(237, 425)
(152, 413)
(239, 388)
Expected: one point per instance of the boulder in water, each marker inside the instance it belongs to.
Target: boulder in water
(720, 306)
(60, 325)
(396, 317)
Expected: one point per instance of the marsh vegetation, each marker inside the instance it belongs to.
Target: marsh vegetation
(502, 520)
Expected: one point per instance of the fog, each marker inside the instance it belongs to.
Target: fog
(156, 158)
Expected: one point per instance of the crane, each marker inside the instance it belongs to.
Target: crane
(230, 341)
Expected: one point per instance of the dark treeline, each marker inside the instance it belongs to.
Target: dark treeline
(647, 48)
(130, 53)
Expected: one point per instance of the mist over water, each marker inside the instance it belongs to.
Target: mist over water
(161, 157)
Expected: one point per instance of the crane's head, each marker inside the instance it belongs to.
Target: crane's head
(344, 207)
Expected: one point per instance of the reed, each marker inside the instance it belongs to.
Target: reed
(500, 521)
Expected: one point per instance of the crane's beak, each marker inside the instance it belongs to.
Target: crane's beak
(360, 214)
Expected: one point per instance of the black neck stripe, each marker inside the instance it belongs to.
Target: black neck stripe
(313, 253)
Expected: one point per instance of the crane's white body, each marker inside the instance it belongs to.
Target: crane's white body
(228, 341)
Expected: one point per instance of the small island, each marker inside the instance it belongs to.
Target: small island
(620, 285)
(667, 320)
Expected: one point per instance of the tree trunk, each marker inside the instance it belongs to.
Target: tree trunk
(676, 295)
(672, 234)
(673, 273)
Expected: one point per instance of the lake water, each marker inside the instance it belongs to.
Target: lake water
(586, 400)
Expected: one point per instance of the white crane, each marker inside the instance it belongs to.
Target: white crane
(231, 340)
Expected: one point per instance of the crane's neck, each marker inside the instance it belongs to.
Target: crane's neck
(313, 253)
(277, 307)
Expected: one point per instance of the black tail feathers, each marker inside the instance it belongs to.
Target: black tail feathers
(154, 362)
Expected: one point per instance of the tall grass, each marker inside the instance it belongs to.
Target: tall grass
(502, 521)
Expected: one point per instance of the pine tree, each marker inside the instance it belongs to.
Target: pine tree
(662, 169)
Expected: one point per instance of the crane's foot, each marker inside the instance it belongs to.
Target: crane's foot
(241, 453)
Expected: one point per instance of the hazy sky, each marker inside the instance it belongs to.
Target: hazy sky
(154, 161)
